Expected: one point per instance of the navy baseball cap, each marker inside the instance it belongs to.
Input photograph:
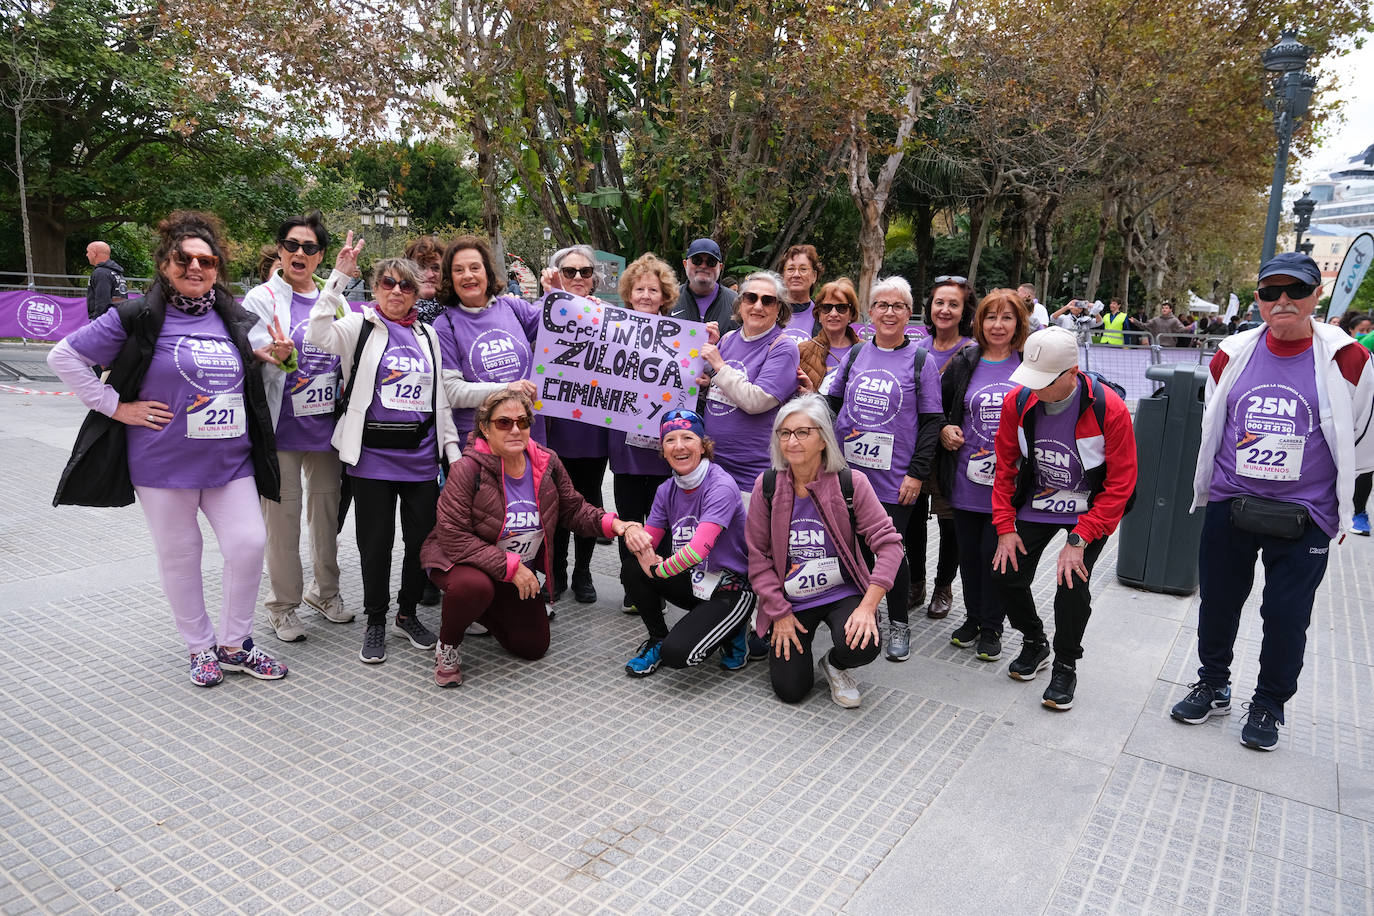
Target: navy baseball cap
(1293, 264)
(704, 246)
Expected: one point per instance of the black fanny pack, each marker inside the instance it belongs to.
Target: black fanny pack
(404, 436)
(1269, 516)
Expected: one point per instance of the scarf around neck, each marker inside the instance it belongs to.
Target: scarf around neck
(693, 480)
(200, 305)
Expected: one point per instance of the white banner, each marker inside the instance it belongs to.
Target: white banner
(1351, 274)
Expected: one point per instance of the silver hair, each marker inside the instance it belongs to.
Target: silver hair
(897, 285)
(779, 290)
(401, 268)
(815, 409)
(585, 250)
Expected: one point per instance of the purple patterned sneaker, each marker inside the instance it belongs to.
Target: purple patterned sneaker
(252, 660)
(205, 671)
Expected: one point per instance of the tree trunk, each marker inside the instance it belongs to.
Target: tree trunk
(1017, 243)
(23, 194)
(1104, 221)
(1044, 244)
(48, 231)
(487, 181)
(924, 241)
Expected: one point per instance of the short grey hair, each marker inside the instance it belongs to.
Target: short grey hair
(779, 290)
(897, 285)
(402, 269)
(585, 250)
(815, 409)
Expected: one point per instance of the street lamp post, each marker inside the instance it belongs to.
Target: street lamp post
(384, 217)
(1302, 211)
(1292, 91)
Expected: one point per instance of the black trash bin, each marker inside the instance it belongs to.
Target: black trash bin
(1158, 546)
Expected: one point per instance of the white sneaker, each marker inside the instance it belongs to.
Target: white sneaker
(476, 629)
(286, 625)
(844, 690)
(331, 609)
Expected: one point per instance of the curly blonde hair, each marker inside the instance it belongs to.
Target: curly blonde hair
(650, 263)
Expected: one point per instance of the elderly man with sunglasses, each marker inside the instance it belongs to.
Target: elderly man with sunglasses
(1289, 409)
(702, 297)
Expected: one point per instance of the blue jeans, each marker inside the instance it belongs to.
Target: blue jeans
(1292, 572)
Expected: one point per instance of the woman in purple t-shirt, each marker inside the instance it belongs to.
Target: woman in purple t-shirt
(751, 374)
(974, 384)
(302, 404)
(199, 436)
(949, 321)
(698, 517)
(395, 430)
(648, 284)
(581, 447)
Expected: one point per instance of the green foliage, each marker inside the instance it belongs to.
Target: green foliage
(427, 177)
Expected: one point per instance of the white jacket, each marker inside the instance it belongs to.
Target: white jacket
(272, 300)
(1346, 412)
(340, 337)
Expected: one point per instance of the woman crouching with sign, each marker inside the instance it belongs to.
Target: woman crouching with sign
(805, 517)
(702, 512)
(497, 514)
(395, 429)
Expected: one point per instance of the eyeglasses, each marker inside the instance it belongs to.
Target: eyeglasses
(570, 272)
(950, 278)
(796, 269)
(888, 307)
(801, 433)
(390, 283)
(505, 424)
(1295, 291)
(823, 307)
(206, 261)
(294, 246)
(751, 297)
(704, 260)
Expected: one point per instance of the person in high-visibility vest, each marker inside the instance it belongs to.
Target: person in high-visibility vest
(1114, 325)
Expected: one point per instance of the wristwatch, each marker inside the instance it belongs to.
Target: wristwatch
(1076, 539)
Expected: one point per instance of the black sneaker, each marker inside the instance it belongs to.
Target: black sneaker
(759, 648)
(1261, 729)
(373, 651)
(966, 635)
(989, 645)
(1034, 658)
(1202, 703)
(419, 634)
(431, 595)
(1059, 695)
(583, 589)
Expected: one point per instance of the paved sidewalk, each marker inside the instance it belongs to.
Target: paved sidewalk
(564, 786)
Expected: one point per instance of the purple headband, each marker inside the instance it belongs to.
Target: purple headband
(682, 419)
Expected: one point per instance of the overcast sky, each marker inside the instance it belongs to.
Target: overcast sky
(1354, 129)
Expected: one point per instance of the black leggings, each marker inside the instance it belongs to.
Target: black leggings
(634, 497)
(793, 678)
(1363, 483)
(586, 475)
(977, 544)
(374, 517)
(708, 623)
(914, 537)
(1072, 606)
(901, 582)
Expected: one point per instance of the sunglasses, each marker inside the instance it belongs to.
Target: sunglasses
(823, 307)
(294, 246)
(390, 283)
(570, 272)
(951, 278)
(505, 424)
(1295, 291)
(704, 260)
(750, 298)
(206, 261)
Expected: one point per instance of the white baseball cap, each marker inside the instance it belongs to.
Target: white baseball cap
(1048, 353)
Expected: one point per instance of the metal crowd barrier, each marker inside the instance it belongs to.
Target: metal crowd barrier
(1126, 363)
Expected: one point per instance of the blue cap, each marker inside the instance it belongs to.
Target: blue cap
(1293, 264)
(704, 246)
(680, 418)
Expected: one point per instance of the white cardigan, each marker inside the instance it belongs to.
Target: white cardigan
(340, 337)
(1346, 412)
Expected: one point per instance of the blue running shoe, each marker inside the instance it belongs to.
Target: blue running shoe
(647, 657)
(1360, 525)
(734, 652)
(1261, 729)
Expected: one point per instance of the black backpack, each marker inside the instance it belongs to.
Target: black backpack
(770, 486)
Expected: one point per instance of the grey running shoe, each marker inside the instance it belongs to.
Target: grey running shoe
(286, 625)
(373, 651)
(844, 690)
(899, 642)
(419, 634)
